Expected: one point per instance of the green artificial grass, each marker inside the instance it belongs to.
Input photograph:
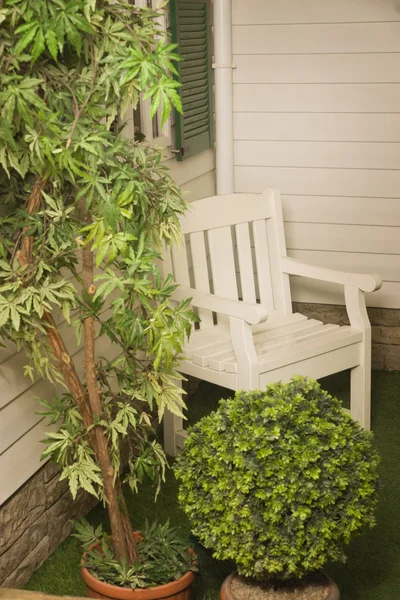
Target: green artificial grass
(372, 571)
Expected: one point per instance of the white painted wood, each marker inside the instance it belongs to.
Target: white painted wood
(243, 356)
(317, 127)
(350, 155)
(245, 263)
(190, 169)
(329, 363)
(329, 182)
(222, 262)
(388, 268)
(263, 264)
(366, 283)
(331, 97)
(342, 211)
(226, 211)
(224, 304)
(248, 368)
(313, 11)
(346, 238)
(317, 68)
(306, 290)
(173, 426)
(217, 359)
(324, 38)
(360, 378)
(22, 460)
(201, 276)
(202, 186)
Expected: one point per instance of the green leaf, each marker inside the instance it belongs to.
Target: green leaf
(28, 36)
(38, 46)
(52, 43)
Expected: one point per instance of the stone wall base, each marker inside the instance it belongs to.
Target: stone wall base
(385, 324)
(34, 521)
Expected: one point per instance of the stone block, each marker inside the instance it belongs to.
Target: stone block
(21, 511)
(62, 514)
(54, 489)
(21, 575)
(386, 357)
(382, 334)
(50, 470)
(16, 554)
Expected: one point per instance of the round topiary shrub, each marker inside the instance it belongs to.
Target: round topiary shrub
(278, 480)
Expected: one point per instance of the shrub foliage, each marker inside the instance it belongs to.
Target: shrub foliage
(278, 480)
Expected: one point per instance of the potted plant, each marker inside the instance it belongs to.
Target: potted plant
(76, 193)
(278, 480)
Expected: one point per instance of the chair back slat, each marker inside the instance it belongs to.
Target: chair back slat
(263, 264)
(222, 262)
(234, 248)
(201, 274)
(245, 263)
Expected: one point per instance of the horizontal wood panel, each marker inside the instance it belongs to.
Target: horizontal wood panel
(191, 168)
(340, 127)
(21, 414)
(386, 266)
(317, 68)
(201, 187)
(343, 238)
(337, 98)
(350, 155)
(313, 11)
(316, 39)
(22, 460)
(319, 182)
(307, 290)
(346, 211)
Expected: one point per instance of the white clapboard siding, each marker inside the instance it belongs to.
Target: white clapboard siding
(346, 238)
(316, 68)
(326, 38)
(316, 114)
(318, 127)
(330, 97)
(308, 290)
(318, 182)
(22, 460)
(389, 269)
(21, 428)
(314, 11)
(22, 413)
(338, 155)
(342, 210)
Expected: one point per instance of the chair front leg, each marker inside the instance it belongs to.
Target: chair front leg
(248, 374)
(360, 383)
(174, 433)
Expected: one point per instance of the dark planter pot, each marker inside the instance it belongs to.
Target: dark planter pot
(227, 594)
(176, 590)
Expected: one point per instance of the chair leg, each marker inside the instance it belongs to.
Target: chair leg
(174, 434)
(360, 392)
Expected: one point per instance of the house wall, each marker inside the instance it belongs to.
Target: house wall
(316, 114)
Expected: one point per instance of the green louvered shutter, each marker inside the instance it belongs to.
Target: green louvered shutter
(189, 24)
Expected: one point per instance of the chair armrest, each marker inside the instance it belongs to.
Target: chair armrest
(364, 282)
(251, 313)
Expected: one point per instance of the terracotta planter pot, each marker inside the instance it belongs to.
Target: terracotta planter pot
(176, 590)
(227, 594)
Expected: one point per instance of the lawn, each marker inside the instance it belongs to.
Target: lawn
(372, 571)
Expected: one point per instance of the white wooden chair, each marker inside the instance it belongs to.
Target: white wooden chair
(234, 266)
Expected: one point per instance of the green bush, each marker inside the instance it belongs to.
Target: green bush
(278, 480)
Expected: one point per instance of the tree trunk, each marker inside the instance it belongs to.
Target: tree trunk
(120, 525)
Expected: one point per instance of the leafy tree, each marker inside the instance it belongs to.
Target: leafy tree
(71, 184)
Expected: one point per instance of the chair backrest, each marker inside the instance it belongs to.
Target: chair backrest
(233, 246)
